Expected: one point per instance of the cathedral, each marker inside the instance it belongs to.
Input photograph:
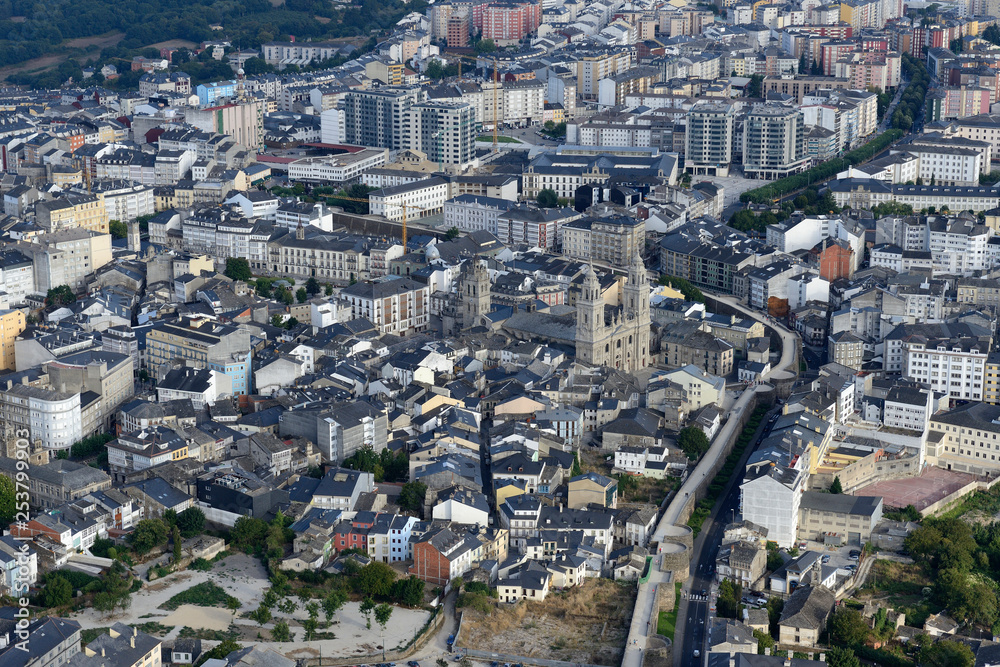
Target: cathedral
(613, 336)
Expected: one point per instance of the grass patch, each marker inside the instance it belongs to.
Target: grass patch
(500, 139)
(666, 622)
(90, 634)
(206, 594)
(213, 635)
(154, 628)
(901, 586)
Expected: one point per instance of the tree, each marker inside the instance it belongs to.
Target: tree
(764, 641)
(409, 591)
(383, 613)
(280, 632)
(60, 296)
(8, 500)
(178, 552)
(328, 289)
(451, 234)
(147, 535)
(838, 656)
(221, 650)
(693, 441)
(312, 287)
(333, 603)
(117, 593)
(848, 627)
(730, 593)
(375, 579)
(117, 229)
(191, 521)
(285, 296)
(238, 268)
(310, 625)
(992, 34)
(835, 487)
(301, 295)
(946, 653)
(756, 86)
(263, 288)
(261, 614)
(485, 46)
(411, 496)
(366, 609)
(57, 591)
(547, 198)
(248, 534)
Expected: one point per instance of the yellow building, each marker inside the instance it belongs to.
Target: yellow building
(389, 73)
(164, 198)
(11, 326)
(71, 211)
(65, 176)
(991, 387)
(590, 487)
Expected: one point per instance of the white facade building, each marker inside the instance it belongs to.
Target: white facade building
(771, 499)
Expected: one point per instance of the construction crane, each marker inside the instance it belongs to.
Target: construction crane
(405, 208)
(496, 123)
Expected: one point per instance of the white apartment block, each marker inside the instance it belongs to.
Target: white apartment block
(342, 168)
(474, 213)
(770, 498)
(956, 367)
(422, 198)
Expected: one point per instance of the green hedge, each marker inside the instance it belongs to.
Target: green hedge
(821, 172)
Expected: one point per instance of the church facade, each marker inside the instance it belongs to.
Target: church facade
(615, 337)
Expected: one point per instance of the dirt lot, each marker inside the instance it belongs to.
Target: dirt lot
(585, 624)
(92, 45)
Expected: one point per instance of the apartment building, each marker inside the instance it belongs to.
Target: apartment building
(73, 210)
(66, 257)
(203, 344)
(109, 375)
(12, 323)
(612, 240)
(53, 418)
(343, 168)
(395, 305)
(773, 142)
(422, 198)
(708, 141)
(378, 118)
(955, 366)
(847, 519)
(770, 496)
(475, 213)
(966, 438)
(444, 131)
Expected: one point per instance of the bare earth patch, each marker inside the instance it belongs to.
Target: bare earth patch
(209, 618)
(587, 624)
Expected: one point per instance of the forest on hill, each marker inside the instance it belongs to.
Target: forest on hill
(31, 30)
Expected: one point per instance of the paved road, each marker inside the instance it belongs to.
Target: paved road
(642, 618)
(694, 618)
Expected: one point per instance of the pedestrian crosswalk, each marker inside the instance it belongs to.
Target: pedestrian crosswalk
(697, 598)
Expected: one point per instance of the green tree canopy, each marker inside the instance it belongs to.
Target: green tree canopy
(238, 268)
(848, 627)
(693, 441)
(118, 229)
(946, 653)
(836, 487)
(60, 296)
(411, 496)
(547, 198)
